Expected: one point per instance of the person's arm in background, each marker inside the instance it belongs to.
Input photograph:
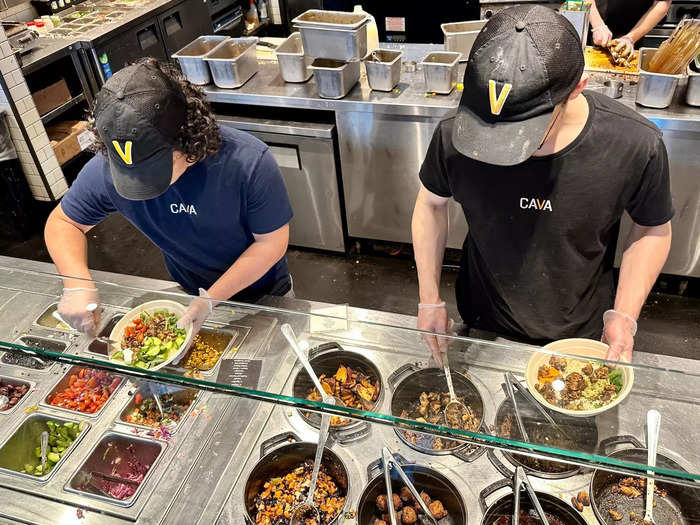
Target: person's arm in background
(429, 228)
(67, 245)
(649, 20)
(646, 250)
(601, 34)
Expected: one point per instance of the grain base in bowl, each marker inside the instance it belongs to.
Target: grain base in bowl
(586, 386)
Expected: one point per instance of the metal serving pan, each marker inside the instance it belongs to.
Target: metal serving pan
(655, 90)
(294, 65)
(440, 70)
(191, 58)
(113, 455)
(334, 78)
(233, 62)
(5, 380)
(64, 382)
(227, 336)
(692, 95)
(335, 35)
(100, 347)
(179, 394)
(14, 454)
(47, 320)
(32, 341)
(383, 69)
(460, 36)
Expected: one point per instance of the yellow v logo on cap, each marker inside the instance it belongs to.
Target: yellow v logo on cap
(125, 154)
(498, 101)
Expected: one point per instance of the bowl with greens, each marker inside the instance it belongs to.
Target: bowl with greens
(148, 336)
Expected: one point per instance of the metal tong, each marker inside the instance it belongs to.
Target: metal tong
(520, 479)
(390, 461)
(512, 381)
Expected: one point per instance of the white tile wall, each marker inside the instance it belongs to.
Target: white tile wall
(30, 120)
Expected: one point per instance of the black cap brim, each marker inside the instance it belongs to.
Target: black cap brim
(502, 143)
(148, 180)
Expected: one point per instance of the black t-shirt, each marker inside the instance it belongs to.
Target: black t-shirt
(537, 262)
(622, 15)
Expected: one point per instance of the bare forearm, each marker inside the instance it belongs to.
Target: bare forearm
(429, 230)
(248, 268)
(644, 256)
(67, 246)
(652, 17)
(595, 19)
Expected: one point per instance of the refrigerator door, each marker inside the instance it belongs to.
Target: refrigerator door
(181, 24)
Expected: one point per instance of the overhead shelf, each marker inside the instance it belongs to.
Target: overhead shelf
(60, 110)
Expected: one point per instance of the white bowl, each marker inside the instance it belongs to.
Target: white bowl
(150, 307)
(582, 348)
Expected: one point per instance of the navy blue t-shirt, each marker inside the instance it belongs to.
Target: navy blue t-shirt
(204, 221)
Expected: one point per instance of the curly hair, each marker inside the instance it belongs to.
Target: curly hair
(199, 138)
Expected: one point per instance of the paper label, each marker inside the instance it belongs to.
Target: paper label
(240, 372)
(395, 23)
(85, 139)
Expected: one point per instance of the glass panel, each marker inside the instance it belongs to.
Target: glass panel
(393, 388)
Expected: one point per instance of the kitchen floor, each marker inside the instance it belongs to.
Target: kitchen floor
(670, 324)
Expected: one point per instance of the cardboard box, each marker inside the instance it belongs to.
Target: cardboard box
(68, 139)
(51, 97)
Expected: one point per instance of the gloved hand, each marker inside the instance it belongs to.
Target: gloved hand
(624, 46)
(76, 307)
(198, 311)
(619, 330)
(433, 318)
(601, 35)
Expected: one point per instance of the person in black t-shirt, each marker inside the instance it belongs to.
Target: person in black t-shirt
(543, 172)
(625, 20)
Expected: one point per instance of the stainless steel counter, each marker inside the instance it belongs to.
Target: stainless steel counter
(201, 475)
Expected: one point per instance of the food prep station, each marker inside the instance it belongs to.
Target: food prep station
(198, 472)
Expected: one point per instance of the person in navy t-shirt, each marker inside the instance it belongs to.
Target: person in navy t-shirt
(212, 199)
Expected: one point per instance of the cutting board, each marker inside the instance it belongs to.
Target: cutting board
(600, 61)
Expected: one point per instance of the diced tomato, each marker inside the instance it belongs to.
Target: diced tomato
(137, 321)
(115, 384)
(138, 398)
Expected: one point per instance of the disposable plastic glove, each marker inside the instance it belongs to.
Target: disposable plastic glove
(601, 35)
(624, 46)
(433, 318)
(80, 309)
(198, 311)
(619, 330)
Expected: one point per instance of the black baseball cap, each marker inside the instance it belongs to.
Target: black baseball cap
(525, 61)
(139, 113)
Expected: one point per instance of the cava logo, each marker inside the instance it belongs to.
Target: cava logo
(527, 203)
(183, 208)
(125, 153)
(498, 101)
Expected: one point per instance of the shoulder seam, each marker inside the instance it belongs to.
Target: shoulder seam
(641, 120)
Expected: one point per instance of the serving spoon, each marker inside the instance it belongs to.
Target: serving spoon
(653, 427)
(454, 407)
(44, 448)
(306, 510)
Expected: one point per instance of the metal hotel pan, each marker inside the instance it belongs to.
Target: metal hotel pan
(14, 452)
(101, 460)
(435, 484)
(337, 35)
(276, 459)
(233, 62)
(42, 343)
(655, 90)
(409, 381)
(583, 430)
(692, 95)
(325, 359)
(294, 65)
(682, 505)
(460, 36)
(179, 394)
(385, 72)
(191, 58)
(64, 382)
(7, 380)
(440, 70)
(334, 78)
(504, 505)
